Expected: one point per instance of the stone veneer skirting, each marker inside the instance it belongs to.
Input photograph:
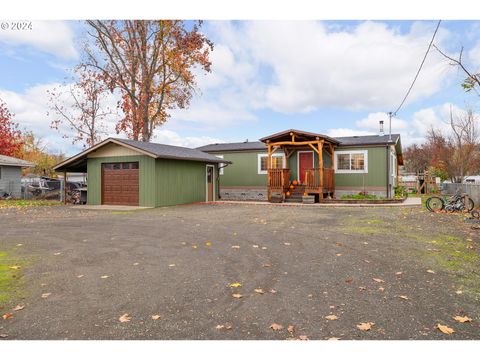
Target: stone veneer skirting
(247, 193)
(261, 193)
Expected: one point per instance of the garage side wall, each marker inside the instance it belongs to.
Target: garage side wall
(180, 182)
(146, 178)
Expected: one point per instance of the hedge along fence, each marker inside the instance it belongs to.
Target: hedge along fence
(473, 190)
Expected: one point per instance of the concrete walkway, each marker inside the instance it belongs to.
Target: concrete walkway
(109, 207)
(409, 202)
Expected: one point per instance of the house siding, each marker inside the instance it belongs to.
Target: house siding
(180, 182)
(374, 182)
(146, 178)
(10, 180)
(243, 171)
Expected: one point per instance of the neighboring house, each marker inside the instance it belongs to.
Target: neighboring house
(324, 166)
(127, 172)
(11, 175)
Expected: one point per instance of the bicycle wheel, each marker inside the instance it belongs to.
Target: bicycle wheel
(469, 205)
(434, 204)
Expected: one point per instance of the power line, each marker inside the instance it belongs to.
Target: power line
(418, 72)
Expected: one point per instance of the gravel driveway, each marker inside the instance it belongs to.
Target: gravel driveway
(405, 270)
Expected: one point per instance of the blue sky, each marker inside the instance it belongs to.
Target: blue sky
(333, 77)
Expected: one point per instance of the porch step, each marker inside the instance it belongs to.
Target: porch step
(293, 200)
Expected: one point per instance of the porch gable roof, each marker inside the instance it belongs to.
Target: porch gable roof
(299, 136)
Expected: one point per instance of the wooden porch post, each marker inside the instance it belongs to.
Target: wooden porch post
(332, 166)
(320, 165)
(268, 168)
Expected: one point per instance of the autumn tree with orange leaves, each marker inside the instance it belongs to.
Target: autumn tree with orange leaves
(152, 65)
(10, 136)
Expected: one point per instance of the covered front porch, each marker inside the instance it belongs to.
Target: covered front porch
(306, 166)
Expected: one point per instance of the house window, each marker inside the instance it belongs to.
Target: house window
(220, 171)
(278, 161)
(355, 161)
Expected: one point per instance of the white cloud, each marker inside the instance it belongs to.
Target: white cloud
(52, 37)
(339, 132)
(169, 137)
(300, 66)
(412, 130)
(31, 106)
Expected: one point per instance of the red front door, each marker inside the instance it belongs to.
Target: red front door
(305, 161)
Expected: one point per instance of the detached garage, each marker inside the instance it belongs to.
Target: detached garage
(128, 172)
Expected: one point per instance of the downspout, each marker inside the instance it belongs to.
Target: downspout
(218, 179)
(388, 171)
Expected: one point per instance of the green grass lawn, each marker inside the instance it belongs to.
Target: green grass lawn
(10, 277)
(27, 203)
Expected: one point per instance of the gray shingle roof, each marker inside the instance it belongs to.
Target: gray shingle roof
(172, 152)
(248, 145)
(11, 161)
(344, 141)
(367, 140)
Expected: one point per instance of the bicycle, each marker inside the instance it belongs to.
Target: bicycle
(456, 202)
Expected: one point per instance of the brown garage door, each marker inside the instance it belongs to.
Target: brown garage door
(120, 183)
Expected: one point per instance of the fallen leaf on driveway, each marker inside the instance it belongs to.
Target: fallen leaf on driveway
(237, 296)
(19, 244)
(7, 316)
(303, 337)
(58, 253)
(331, 317)
(259, 291)
(235, 247)
(136, 264)
(264, 248)
(218, 327)
(15, 267)
(19, 307)
(208, 243)
(45, 295)
(459, 292)
(255, 246)
(333, 338)
(276, 327)
(194, 246)
(104, 276)
(461, 319)
(79, 276)
(287, 244)
(381, 289)
(124, 318)
(398, 273)
(273, 291)
(171, 265)
(365, 326)
(156, 317)
(291, 329)
(445, 329)
(362, 288)
(378, 280)
(234, 285)
(266, 265)
(431, 271)
(404, 297)
(3, 336)
(338, 254)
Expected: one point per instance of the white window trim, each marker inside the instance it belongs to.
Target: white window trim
(220, 170)
(259, 162)
(350, 152)
(393, 158)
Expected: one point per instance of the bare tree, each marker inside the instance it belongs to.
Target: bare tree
(82, 107)
(472, 81)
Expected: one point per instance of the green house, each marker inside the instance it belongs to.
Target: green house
(292, 163)
(127, 172)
